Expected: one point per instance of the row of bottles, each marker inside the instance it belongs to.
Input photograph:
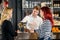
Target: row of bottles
(57, 13)
(56, 5)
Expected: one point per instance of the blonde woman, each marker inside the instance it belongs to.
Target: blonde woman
(7, 27)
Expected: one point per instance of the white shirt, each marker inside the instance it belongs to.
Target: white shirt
(30, 18)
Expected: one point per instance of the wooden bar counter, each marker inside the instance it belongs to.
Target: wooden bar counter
(26, 35)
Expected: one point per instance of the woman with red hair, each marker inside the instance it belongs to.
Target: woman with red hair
(45, 29)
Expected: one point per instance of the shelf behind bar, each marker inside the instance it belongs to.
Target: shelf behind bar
(56, 7)
(56, 32)
(57, 26)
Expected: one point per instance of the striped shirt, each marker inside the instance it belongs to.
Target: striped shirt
(45, 30)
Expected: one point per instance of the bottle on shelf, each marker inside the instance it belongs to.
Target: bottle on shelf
(59, 4)
(54, 5)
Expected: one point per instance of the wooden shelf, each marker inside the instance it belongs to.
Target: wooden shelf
(57, 26)
(56, 7)
(56, 32)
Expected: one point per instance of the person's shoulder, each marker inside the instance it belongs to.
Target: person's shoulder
(39, 17)
(6, 21)
(47, 22)
(29, 16)
(26, 17)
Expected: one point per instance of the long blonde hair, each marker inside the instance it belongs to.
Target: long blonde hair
(5, 14)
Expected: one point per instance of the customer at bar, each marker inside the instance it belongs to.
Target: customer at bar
(33, 20)
(45, 29)
(8, 31)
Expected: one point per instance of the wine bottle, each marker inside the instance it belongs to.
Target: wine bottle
(54, 5)
(59, 4)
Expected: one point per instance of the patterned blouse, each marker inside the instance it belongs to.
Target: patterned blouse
(45, 30)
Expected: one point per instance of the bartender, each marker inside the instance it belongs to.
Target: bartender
(33, 20)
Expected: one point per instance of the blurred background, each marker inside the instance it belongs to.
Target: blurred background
(21, 8)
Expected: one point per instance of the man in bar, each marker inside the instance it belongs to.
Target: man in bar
(33, 20)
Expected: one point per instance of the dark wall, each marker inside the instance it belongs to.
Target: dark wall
(40, 0)
(12, 4)
(0, 1)
(17, 11)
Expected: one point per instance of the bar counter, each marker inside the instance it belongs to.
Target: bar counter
(26, 35)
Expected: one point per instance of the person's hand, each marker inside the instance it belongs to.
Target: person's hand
(31, 31)
(17, 31)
